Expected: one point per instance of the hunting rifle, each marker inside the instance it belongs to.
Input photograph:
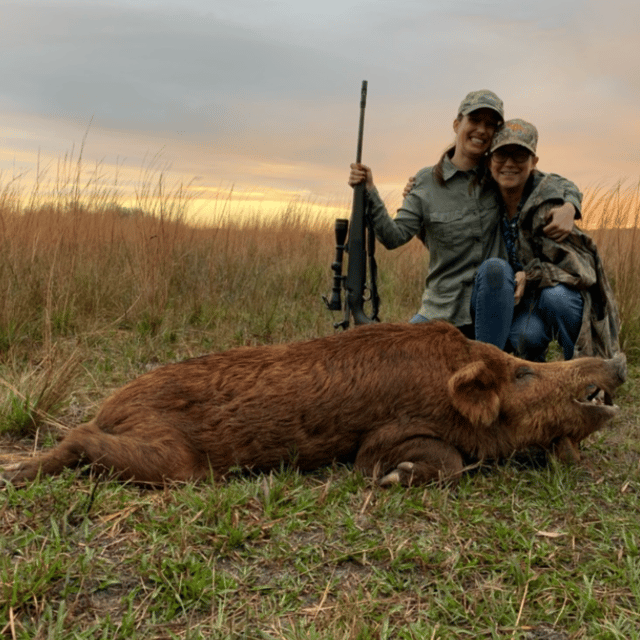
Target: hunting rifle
(361, 250)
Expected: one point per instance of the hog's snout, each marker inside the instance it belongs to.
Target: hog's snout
(618, 364)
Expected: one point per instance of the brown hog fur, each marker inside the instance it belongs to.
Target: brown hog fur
(412, 403)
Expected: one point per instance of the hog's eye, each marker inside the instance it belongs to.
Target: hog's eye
(522, 373)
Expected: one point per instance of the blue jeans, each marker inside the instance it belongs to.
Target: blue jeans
(526, 329)
(492, 301)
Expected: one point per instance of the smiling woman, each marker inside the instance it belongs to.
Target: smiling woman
(511, 167)
(453, 216)
(512, 161)
(546, 289)
(474, 132)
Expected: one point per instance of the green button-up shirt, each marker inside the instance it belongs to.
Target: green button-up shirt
(459, 223)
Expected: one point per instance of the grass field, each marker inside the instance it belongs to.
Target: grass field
(93, 294)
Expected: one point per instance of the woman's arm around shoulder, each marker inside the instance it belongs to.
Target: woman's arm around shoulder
(560, 219)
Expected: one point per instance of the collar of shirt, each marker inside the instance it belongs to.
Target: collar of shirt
(449, 169)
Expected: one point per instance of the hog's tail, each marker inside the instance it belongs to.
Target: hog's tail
(152, 461)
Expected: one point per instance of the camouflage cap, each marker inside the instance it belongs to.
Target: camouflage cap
(517, 132)
(482, 99)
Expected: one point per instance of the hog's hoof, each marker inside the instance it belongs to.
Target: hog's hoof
(402, 474)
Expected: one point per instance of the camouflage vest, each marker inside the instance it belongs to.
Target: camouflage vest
(574, 262)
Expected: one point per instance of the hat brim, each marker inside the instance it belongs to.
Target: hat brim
(518, 143)
(477, 107)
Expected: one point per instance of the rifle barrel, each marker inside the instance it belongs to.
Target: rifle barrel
(363, 105)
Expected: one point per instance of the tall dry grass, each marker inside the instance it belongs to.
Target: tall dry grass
(79, 261)
(74, 259)
(612, 218)
(68, 269)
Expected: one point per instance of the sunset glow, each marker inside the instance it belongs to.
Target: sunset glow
(256, 111)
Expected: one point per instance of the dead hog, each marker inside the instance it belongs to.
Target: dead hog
(407, 403)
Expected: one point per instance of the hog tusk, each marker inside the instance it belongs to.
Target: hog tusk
(596, 394)
(596, 403)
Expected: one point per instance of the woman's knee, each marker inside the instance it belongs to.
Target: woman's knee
(559, 297)
(529, 337)
(494, 273)
(560, 303)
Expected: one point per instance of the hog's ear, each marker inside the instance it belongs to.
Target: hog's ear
(473, 392)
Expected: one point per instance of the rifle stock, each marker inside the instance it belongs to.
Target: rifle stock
(359, 247)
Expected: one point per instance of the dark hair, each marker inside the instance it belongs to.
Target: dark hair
(438, 171)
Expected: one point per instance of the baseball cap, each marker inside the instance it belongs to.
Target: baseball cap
(517, 132)
(482, 99)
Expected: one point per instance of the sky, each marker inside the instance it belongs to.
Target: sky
(257, 101)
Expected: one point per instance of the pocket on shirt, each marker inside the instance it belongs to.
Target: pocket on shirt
(450, 227)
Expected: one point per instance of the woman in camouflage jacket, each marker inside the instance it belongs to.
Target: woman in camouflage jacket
(548, 289)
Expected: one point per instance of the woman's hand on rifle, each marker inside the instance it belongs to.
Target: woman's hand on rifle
(360, 173)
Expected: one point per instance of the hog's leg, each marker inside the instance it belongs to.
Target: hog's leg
(566, 450)
(154, 460)
(416, 460)
(48, 463)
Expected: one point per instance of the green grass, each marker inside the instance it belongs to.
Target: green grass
(326, 555)
(91, 298)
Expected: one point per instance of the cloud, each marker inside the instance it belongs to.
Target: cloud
(146, 68)
(267, 91)
(175, 75)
